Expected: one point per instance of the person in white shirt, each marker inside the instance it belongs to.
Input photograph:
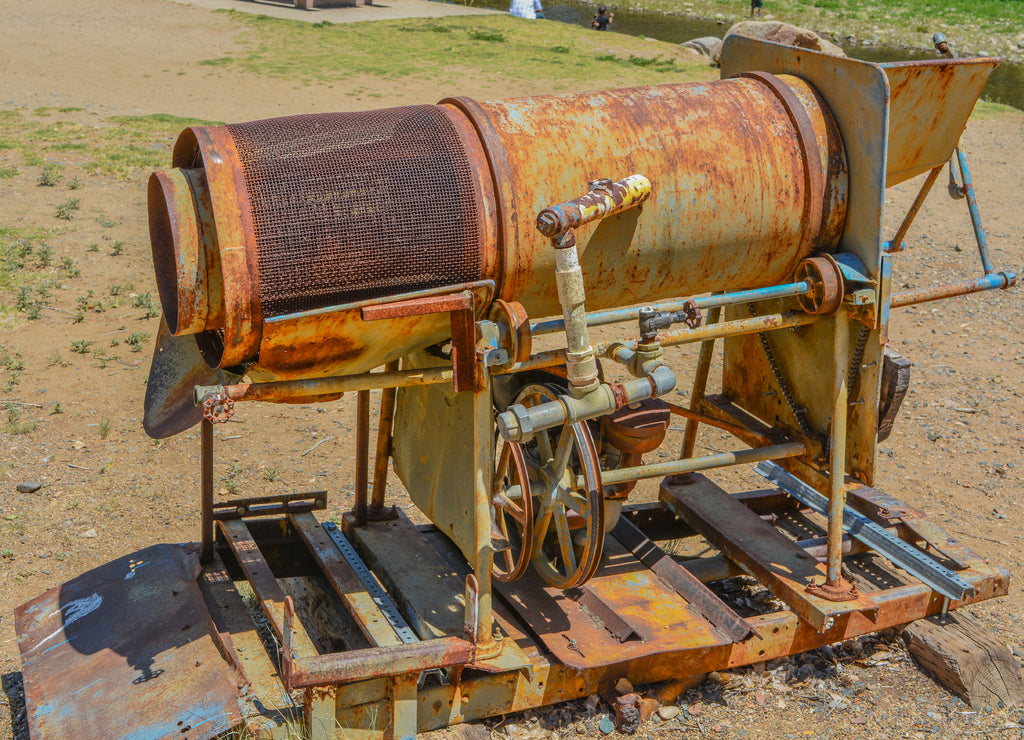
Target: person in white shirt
(523, 9)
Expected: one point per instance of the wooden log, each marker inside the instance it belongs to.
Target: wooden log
(966, 659)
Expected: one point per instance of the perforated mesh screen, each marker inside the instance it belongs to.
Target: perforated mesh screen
(350, 206)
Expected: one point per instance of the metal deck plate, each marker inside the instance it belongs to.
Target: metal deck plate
(126, 650)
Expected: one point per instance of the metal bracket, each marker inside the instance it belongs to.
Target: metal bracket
(462, 310)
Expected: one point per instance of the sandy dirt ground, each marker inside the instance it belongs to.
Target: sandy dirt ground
(108, 490)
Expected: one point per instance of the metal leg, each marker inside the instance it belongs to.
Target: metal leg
(404, 705)
(380, 461)
(362, 454)
(835, 587)
(700, 384)
(483, 467)
(206, 491)
(896, 245)
(972, 207)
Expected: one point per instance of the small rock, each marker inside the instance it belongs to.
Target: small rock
(29, 487)
(668, 712)
(90, 533)
(606, 725)
(623, 687)
(696, 708)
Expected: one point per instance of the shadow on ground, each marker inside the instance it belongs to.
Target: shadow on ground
(14, 687)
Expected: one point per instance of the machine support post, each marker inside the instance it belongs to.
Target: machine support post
(483, 563)
(362, 454)
(700, 384)
(972, 208)
(380, 461)
(837, 452)
(206, 490)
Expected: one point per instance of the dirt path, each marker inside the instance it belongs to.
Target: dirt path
(108, 490)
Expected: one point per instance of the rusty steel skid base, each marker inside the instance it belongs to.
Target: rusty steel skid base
(146, 632)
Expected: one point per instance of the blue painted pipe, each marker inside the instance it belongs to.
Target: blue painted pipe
(620, 315)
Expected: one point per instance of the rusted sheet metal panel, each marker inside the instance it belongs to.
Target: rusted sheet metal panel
(931, 102)
(674, 639)
(338, 340)
(126, 650)
(706, 603)
(177, 368)
(778, 563)
(706, 148)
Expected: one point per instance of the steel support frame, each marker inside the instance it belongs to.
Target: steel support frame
(372, 693)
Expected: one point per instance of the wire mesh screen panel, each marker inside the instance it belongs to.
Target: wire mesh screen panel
(352, 206)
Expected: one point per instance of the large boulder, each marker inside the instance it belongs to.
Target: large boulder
(706, 46)
(783, 33)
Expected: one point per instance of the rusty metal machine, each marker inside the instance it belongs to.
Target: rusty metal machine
(430, 252)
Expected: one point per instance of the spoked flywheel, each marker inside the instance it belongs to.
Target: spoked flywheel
(565, 479)
(512, 499)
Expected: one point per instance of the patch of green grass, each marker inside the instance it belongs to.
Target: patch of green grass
(971, 25)
(81, 346)
(7, 173)
(14, 423)
(136, 340)
(104, 428)
(486, 36)
(58, 361)
(22, 253)
(66, 210)
(13, 366)
(126, 146)
(984, 110)
(51, 175)
(444, 50)
(67, 266)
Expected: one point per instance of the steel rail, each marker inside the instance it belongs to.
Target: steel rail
(915, 562)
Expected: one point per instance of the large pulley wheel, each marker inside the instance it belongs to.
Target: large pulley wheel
(512, 499)
(565, 477)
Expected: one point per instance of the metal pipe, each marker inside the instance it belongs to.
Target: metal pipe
(896, 245)
(1004, 279)
(520, 423)
(383, 453)
(362, 454)
(307, 390)
(379, 662)
(206, 490)
(755, 325)
(700, 384)
(837, 448)
(972, 206)
(622, 315)
(581, 365)
(694, 464)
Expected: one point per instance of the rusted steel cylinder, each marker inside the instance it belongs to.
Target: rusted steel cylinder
(268, 235)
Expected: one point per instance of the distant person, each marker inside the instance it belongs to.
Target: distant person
(523, 9)
(603, 19)
(538, 10)
(755, 5)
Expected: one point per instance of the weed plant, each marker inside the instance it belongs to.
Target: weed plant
(66, 210)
